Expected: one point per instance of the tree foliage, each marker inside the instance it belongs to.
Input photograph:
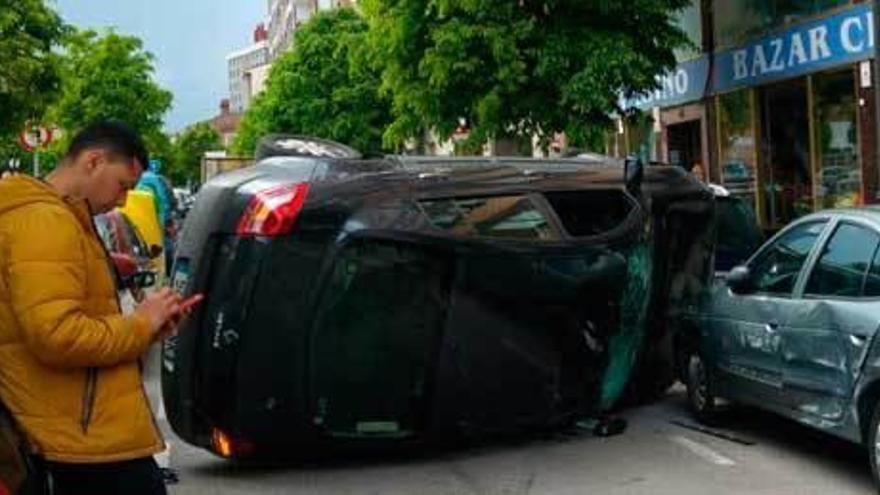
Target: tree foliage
(109, 76)
(517, 68)
(189, 148)
(29, 30)
(326, 86)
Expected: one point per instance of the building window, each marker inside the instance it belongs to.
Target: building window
(689, 21)
(839, 174)
(736, 143)
(738, 20)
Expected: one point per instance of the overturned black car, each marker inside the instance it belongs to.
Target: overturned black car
(414, 298)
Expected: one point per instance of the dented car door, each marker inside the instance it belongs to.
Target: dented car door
(824, 342)
(744, 331)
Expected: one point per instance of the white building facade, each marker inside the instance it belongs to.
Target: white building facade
(241, 63)
(286, 15)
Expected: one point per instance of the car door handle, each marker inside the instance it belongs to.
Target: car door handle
(771, 327)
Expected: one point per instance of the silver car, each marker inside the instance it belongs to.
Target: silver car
(794, 329)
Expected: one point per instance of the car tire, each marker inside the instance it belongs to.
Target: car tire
(873, 447)
(701, 399)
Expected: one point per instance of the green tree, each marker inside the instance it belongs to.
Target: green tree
(29, 30)
(109, 76)
(326, 86)
(189, 148)
(517, 68)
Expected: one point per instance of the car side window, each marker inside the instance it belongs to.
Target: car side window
(872, 278)
(504, 217)
(776, 269)
(840, 271)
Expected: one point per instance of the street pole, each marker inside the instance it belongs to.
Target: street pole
(36, 163)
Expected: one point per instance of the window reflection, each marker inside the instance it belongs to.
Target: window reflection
(738, 20)
(737, 144)
(511, 217)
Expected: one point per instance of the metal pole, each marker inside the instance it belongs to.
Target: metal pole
(36, 164)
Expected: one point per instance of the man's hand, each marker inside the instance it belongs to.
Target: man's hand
(186, 308)
(160, 308)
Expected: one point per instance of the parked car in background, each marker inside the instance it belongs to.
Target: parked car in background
(794, 329)
(131, 256)
(414, 298)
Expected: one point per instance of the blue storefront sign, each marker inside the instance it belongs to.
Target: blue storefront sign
(842, 38)
(846, 37)
(687, 82)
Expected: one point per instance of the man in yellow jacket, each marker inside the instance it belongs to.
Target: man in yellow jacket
(69, 360)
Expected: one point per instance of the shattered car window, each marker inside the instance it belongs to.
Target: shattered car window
(777, 269)
(590, 213)
(841, 270)
(508, 217)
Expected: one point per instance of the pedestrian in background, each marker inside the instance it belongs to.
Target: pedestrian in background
(69, 360)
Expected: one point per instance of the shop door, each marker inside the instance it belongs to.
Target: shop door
(785, 169)
(685, 144)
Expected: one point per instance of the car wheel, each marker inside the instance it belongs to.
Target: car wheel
(702, 401)
(874, 444)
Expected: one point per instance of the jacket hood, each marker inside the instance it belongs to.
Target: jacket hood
(22, 190)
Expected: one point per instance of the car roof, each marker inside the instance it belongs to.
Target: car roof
(868, 213)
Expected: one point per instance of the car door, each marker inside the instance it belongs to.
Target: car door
(743, 331)
(824, 340)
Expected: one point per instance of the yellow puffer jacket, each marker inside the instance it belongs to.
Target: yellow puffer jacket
(69, 361)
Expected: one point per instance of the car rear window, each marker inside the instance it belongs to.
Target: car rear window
(504, 217)
(590, 212)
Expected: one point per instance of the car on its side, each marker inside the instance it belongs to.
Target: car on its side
(410, 298)
(794, 330)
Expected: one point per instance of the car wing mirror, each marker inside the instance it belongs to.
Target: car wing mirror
(155, 251)
(739, 280)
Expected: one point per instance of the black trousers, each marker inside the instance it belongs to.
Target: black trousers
(137, 477)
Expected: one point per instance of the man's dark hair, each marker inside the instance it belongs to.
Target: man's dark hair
(115, 137)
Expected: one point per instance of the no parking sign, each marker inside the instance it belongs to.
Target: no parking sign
(34, 136)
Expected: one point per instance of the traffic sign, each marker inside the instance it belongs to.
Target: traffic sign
(35, 136)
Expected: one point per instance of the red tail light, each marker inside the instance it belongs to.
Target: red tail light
(274, 211)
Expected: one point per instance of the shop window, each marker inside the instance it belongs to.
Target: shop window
(739, 20)
(736, 134)
(839, 180)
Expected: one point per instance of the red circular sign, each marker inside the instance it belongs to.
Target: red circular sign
(35, 136)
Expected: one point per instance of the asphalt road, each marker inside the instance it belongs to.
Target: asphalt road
(655, 455)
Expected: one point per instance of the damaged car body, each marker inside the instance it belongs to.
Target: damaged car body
(412, 298)
(794, 330)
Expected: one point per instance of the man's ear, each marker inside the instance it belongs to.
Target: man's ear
(91, 159)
